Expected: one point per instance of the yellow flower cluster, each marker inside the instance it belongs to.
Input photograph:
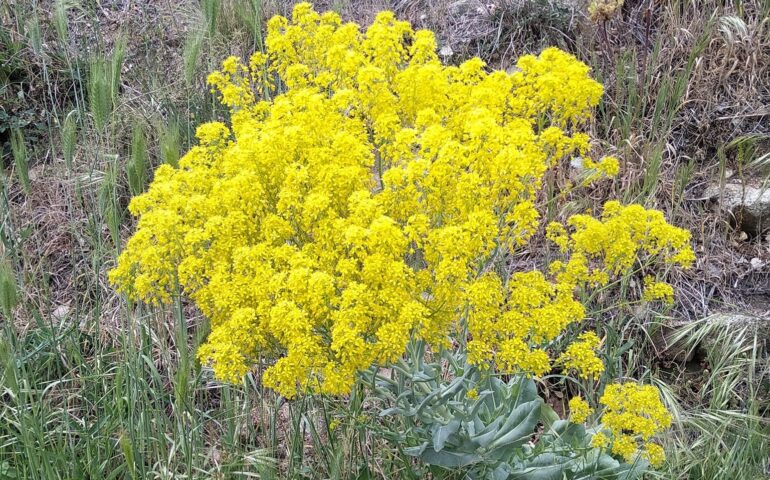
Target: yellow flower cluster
(512, 324)
(363, 195)
(657, 291)
(579, 410)
(608, 166)
(633, 415)
(600, 248)
(581, 356)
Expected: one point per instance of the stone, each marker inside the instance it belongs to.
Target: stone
(61, 312)
(748, 204)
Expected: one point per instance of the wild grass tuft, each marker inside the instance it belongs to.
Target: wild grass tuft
(34, 34)
(110, 209)
(211, 10)
(116, 60)
(20, 158)
(722, 428)
(191, 55)
(170, 143)
(100, 95)
(69, 138)
(104, 84)
(245, 16)
(136, 167)
(8, 292)
(60, 21)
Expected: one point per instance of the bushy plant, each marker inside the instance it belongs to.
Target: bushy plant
(364, 202)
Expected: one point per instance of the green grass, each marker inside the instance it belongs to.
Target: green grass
(728, 434)
(92, 387)
(20, 158)
(80, 406)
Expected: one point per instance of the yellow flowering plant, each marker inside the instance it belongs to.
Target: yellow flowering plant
(365, 199)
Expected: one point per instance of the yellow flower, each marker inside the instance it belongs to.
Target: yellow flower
(579, 410)
(556, 233)
(212, 133)
(634, 408)
(657, 291)
(361, 197)
(609, 166)
(334, 424)
(654, 454)
(581, 356)
(599, 440)
(634, 414)
(472, 394)
(624, 446)
(598, 250)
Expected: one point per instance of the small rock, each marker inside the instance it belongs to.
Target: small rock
(446, 51)
(61, 312)
(748, 205)
(756, 263)
(36, 173)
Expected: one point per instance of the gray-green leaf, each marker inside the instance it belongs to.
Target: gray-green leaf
(442, 432)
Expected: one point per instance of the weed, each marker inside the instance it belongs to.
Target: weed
(20, 158)
(8, 293)
(69, 138)
(100, 95)
(136, 167)
(191, 54)
(170, 143)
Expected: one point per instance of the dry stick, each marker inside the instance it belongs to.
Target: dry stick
(605, 42)
(647, 31)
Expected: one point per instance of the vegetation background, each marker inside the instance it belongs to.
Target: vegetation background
(96, 93)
